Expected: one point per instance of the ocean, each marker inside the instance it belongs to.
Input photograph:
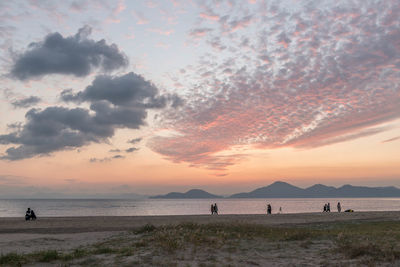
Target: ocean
(145, 207)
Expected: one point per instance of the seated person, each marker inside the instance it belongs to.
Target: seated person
(28, 214)
(33, 215)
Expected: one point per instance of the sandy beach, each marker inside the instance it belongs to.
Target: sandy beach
(66, 234)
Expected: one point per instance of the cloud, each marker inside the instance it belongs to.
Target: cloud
(391, 139)
(106, 159)
(200, 32)
(131, 149)
(26, 102)
(73, 55)
(115, 102)
(129, 90)
(53, 129)
(316, 74)
(135, 140)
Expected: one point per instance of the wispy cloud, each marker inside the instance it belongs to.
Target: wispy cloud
(391, 139)
(26, 102)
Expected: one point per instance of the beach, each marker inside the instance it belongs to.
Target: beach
(232, 240)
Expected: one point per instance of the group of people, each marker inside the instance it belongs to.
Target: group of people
(30, 215)
(214, 209)
(327, 207)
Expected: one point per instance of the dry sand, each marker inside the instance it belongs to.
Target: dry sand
(66, 233)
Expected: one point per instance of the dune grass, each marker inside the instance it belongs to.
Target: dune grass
(369, 243)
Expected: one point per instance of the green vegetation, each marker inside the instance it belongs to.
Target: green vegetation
(370, 243)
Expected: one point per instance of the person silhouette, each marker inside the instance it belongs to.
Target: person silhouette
(28, 214)
(33, 215)
(269, 209)
(339, 207)
(215, 208)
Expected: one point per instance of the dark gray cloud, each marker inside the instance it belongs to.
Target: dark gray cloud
(127, 90)
(115, 102)
(106, 159)
(73, 55)
(53, 129)
(135, 140)
(131, 149)
(26, 102)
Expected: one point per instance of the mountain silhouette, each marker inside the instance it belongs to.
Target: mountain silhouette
(194, 193)
(276, 190)
(285, 190)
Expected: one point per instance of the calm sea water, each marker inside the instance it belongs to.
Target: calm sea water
(109, 207)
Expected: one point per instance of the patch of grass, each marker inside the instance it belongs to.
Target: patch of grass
(126, 251)
(12, 259)
(361, 242)
(377, 249)
(46, 256)
(76, 254)
(145, 229)
(104, 250)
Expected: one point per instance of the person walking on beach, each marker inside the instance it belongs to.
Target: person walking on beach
(328, 207)
(215, 208)
(339, 207)
(269, 209)
(212, 209)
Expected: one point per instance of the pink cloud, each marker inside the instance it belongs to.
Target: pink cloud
(316, 77)
(200, 32)
(113, 18)
(209, 16)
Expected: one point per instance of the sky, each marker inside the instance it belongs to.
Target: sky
(148, 97)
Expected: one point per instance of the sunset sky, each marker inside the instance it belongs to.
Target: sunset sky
(153, 96)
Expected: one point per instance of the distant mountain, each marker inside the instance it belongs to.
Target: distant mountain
(285, 190)
(194, 193)
(320, 190)
(275, 190)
